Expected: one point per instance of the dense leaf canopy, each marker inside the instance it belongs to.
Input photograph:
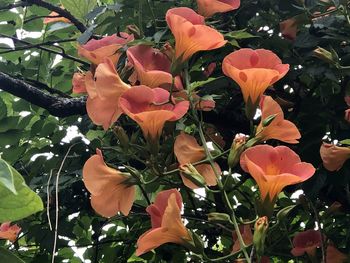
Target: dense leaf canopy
(47, 136)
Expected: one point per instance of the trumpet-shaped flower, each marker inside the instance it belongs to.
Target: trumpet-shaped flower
(151, 108)
(167, 226)
(191, 34)
(306, 242)
(104, 90)
(274, 168)
(152, 67)
(107, 186)
(9, 232)
(333, 156)
(254, 71)
(108, 47)
(279, 128)
(187, 151)
(208, 8)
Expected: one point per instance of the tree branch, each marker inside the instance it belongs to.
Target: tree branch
(18, 4)
(40, 46)
(57, 106)
(62, 12)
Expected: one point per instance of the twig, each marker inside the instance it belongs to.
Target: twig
(48, 200)
(56, 196)
(62, 12)
(40, 46)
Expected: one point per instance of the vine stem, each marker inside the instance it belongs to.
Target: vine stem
(57, 203)
(211, 161)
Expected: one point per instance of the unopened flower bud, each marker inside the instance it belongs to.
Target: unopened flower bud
(122, 136)
(266, 122)
(325, 55)
(260, 229)
(190, 172)
(237, 148)
(133, 29)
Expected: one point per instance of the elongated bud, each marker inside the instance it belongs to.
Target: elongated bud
(219, 217)
(260, 229)
(134, 174)
(266, 122)
(238, 146)
(133, 29)
(326, 55)
(196, 244)
(190, 172)
(122, 136)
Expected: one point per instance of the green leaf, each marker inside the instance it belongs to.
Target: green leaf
(79, 8)
(17, 206)
(240, 34)
(346, 142)
(9, 257)
(6, 176)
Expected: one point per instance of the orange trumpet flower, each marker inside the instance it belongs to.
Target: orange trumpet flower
(9, 232)
(104, 90)
(191, 34)
(167, 226)
(306, 242)
(109, 190)
(188, 151)
(279, 128)
(54, 17)
(208, 8)
(152, 67)
(254, 71)
(333, 156)
(151, 108)
(97, 50)
(274, 168)
(78, 83)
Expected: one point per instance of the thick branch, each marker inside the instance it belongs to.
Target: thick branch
(57, 106)
(62, 12)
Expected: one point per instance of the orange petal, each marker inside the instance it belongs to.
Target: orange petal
(172, 230)
(187, 150)
(247, 236)
(191, 35)
(333, 156)
(114, 198)
(208, 8)
(279, 128)
(9, 232)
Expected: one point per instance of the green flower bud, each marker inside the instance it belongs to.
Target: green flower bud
(190, 172)
(260, 229)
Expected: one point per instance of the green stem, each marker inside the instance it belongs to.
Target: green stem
(211, 161)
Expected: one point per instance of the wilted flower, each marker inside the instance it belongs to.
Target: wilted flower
(333, 156)
(306, 242)
(167, 226)
(109, 190)
(9, 232)
(247, 236)
(289, 28)
(334, 255)
(208, 8)
(191, 34)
